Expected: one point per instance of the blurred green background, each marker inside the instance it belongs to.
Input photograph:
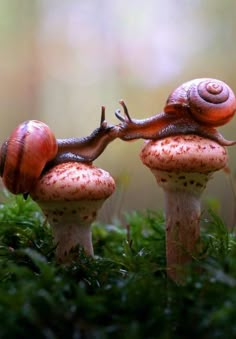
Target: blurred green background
(62, 60)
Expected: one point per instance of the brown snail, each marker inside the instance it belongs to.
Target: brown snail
(32, 148)
(196, 107)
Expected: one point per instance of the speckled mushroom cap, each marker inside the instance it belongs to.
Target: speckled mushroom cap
(73, 192)
(74, 181)
(184, 162)
(189, 153)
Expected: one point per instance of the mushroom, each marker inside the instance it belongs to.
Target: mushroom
(185, 151)
(182, 166)
(70, 194)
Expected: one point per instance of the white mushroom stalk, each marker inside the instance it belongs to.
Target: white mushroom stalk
(182, 166)
(70, 194)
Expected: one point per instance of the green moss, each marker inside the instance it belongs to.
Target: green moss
(123, 292)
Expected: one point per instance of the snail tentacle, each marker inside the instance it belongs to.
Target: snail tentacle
(87, 149)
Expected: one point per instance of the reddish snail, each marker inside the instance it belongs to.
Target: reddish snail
(32, 148)
(195, 107)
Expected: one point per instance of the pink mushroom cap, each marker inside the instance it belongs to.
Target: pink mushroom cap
(184, 153)
(74, 181)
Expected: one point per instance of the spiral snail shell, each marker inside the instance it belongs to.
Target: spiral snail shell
(210, 101)
(24, 155)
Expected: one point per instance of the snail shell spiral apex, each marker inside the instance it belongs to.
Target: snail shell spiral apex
(210, 102)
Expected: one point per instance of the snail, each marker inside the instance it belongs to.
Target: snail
(196, 107)
(32, 149)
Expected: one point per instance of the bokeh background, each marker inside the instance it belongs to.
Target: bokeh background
(62, 60)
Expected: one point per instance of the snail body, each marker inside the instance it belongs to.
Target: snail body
(196, 107)
(32, 149)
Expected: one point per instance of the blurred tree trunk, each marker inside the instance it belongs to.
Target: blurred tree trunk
(19, 66)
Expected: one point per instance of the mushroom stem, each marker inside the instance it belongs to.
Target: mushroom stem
(67, 237)
(182, 229)
(182, 209)
(71, 225)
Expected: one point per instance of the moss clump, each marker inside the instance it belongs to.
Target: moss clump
(123, 292)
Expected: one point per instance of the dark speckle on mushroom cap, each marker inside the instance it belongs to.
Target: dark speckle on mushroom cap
(188, 153)
(74, 181)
